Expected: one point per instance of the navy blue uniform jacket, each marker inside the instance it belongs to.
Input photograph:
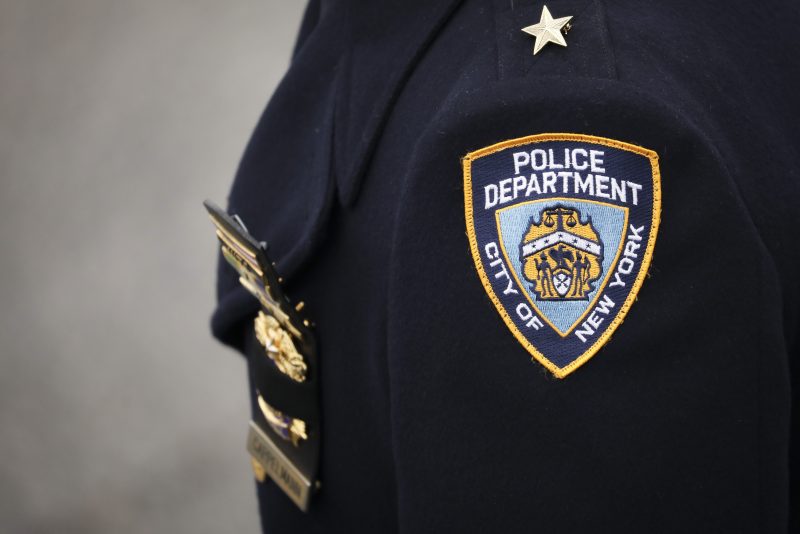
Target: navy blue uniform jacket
(435, 418)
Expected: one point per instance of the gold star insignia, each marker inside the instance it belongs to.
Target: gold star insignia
(547, 30)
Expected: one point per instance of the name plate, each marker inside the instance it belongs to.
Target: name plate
(278, 467)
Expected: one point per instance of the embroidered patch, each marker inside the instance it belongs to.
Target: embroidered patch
(562, 229)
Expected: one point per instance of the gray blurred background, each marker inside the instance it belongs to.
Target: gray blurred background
(118, 412)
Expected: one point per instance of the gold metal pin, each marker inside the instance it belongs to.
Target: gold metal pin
(279, 347)
(258, 470)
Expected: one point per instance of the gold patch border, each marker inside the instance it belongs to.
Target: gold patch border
(625, 209)
(652, 156)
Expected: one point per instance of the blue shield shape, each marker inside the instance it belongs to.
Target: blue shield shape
(562, 229)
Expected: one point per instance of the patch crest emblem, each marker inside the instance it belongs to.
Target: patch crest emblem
(562, 229)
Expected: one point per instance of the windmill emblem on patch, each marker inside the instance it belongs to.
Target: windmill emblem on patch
(561, 255)
(562, 229)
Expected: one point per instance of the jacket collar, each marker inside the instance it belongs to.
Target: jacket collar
(388, 39)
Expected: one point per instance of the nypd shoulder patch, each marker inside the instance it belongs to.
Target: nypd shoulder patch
(562, 229)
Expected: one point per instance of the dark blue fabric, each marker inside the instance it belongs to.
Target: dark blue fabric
(435, 418)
